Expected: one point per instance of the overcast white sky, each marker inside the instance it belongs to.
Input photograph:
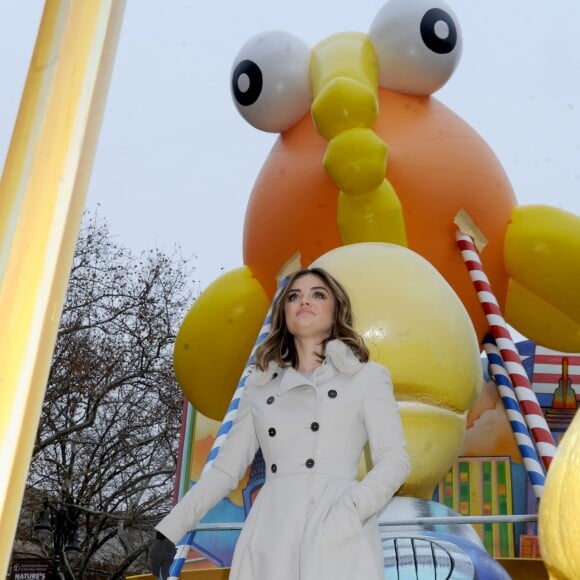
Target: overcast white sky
(175, 162)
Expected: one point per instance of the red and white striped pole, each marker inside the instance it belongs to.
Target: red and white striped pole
(533, 415)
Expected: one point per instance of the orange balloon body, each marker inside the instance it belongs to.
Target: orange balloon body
(437, 164)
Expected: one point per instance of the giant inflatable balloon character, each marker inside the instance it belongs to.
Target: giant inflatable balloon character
(366, 154)
(370, 169)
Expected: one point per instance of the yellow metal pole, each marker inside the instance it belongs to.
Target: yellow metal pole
(42, 196)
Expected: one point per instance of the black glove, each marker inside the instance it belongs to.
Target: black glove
(161, 555)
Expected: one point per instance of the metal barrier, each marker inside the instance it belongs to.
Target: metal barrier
(432, 521)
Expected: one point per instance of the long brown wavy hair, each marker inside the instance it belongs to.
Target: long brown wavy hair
(279, 344)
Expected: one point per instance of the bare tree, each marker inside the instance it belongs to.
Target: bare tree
(107, 441)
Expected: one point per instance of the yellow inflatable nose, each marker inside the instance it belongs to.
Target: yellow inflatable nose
(344, 78)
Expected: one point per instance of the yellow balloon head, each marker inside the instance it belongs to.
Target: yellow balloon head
(417, 327)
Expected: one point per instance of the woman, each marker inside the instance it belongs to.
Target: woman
(311, 404)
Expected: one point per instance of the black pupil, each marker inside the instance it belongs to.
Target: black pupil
(251, 70)
(429, 36)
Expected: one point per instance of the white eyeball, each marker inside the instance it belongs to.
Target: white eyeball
(271, 81)
(418, 45)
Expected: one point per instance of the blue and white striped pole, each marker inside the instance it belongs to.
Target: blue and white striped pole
(530, 457)
(184, 545)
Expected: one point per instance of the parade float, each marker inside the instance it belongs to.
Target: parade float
(376, 180)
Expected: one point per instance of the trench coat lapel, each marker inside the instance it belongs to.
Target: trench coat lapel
(291, 379)
(339, 359)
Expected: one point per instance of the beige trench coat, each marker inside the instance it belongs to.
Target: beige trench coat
(312, 520)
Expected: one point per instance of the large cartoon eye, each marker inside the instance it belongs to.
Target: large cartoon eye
(270, 81)
(418, 45)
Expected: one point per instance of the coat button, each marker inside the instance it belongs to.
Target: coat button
(310, 463)
(332, 394)
(274, 468)
(270, 400)
(315, 426)
(271, 431)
